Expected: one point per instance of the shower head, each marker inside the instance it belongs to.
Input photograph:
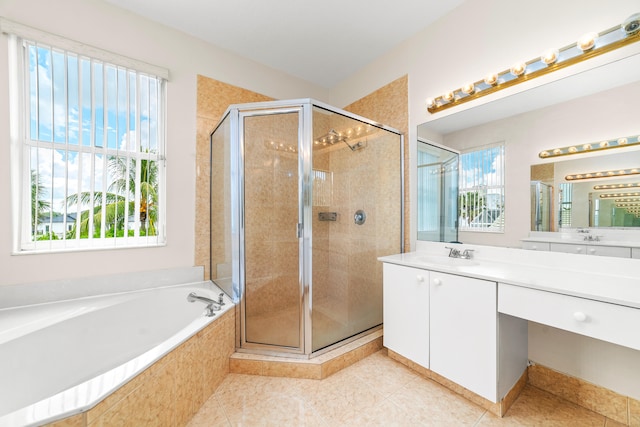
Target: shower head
(336, 137)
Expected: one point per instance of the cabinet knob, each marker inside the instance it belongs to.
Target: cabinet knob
(592, 251)
(437, 282)
(578, 249)
(579, 316)
(534, 247)
(420, 278)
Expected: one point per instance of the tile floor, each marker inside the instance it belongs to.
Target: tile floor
(377, 391)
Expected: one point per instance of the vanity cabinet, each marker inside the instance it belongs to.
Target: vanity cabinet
(572, 248)
(464, 323)
(406, 312)
(450, 324)
(582, 248)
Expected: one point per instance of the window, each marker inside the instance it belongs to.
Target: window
(481, 190)
(89, 136)
(566, 204)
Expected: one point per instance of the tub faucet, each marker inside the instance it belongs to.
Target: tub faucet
(212, 306)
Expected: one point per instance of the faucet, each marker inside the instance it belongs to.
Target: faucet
(212, 305)
(455, 253)
(591, 238)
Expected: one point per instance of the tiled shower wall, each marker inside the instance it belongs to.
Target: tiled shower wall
(388, 105)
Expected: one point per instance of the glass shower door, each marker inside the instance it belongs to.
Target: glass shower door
(272, 298)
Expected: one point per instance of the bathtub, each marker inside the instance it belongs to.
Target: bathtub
(61, 358)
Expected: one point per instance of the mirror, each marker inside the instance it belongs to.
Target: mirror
(437, 193)
(558, 203)
(593, 105)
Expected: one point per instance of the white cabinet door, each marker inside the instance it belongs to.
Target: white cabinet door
(406, 312)
(464, 332)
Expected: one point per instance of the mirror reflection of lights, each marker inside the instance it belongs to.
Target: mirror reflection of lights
(614, 195)
(591, 147)
(603, 174)
(617, 186)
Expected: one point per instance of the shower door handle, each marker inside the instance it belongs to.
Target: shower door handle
(299, 230)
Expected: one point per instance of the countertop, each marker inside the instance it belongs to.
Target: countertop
(605, 279)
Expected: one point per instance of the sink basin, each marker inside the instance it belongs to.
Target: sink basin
(445, 260)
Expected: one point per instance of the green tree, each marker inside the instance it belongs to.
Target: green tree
(39, 206)
(124, 184)
(470, 205)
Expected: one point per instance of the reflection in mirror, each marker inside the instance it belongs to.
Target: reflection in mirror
(437, 193)
(599, 202)
(593, 105)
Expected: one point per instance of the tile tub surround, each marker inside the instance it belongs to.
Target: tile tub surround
(126, 376)
(171, 391)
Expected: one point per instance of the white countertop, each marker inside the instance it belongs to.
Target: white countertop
(606, 279)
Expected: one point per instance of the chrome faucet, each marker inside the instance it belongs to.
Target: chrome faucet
(455, 253)
(591, 238)
(212, 305)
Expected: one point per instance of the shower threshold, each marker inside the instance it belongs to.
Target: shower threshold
(321, 365)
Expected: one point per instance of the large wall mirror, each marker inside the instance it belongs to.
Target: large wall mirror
(585, 107)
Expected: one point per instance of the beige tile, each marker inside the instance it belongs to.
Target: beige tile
(74, 421)
(634, 412)
(382, 373)
(245, 366)
(385, 414)
(580, 392)
(430, 403)
(292, 370)
(210, 415)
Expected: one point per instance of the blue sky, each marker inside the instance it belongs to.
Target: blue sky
(65, 110)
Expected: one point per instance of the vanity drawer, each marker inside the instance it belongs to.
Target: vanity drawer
(571, 248)
(535, 246)
(604, 321)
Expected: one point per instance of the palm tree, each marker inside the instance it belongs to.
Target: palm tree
(122, 188)
(39, 206)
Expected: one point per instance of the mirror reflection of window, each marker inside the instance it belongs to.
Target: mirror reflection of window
(481, 190)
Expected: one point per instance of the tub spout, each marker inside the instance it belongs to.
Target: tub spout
(212, 306)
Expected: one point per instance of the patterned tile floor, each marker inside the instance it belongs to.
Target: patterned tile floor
(377, 391)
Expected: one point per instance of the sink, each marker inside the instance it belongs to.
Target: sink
(445, 260)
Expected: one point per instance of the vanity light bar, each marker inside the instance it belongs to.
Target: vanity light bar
(588, 46)
(614, 195)
(603, 174)
(628, 199)
(591, 147)
(617, 186)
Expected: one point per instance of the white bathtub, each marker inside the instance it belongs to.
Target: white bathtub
(61, 358)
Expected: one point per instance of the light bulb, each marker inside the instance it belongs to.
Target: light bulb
(469, 88)
(550, 56)
(518, 69)
(431, 103)
(587, 41)
(448, 96)
(491, 79)
(623, 141)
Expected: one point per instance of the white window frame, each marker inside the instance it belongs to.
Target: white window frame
(21, 144)
(484, 182)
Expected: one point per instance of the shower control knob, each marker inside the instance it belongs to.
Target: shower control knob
(579, 316)
(420, 278)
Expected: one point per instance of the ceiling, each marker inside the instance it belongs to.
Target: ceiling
(322, 42)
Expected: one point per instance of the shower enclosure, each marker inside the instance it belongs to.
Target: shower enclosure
(304, 198)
